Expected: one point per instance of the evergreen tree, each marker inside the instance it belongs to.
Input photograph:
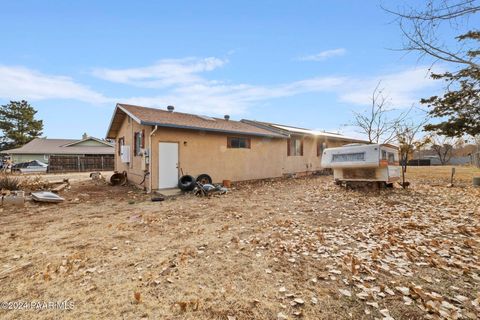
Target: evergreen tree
(18, 124)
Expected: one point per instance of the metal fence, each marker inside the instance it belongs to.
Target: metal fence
(80, 163)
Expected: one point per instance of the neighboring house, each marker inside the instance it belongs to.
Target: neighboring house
(430, 158)
(42, 149)
(155, 147)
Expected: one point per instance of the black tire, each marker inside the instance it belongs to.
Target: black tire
(118, 179)
(186, 183)
(204, 179)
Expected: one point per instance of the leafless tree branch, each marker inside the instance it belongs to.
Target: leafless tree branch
(421, 29)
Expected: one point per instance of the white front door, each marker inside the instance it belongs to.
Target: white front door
(167, 165)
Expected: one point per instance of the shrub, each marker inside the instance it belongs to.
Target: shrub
(8, 182)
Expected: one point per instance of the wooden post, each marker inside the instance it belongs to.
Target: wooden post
(451, 178)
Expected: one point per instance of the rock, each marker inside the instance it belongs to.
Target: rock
(281, 316)
(282, 289)
(299, 301)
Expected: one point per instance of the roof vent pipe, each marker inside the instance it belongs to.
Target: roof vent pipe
(170, 108)
(227, 117)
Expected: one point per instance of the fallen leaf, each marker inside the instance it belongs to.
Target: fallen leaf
(345, 292)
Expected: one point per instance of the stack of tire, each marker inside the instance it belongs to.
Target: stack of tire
(188, 183)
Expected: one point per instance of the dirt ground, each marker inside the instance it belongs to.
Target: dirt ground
(72, 176)
(288, 249)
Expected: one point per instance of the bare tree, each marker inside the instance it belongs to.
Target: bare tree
(423, 29)
(407, 136)
(376, 123)
(476, 140)
(444, 147)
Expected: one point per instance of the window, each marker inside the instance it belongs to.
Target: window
(384, 155)
(121, 142)
(344, 157)
(391, 158)
(238, 143)
(139, 142)
(320, 147)
(295, 147)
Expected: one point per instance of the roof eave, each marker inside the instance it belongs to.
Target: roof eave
(166, 125)
(119, 106)
(86, 139)
(265, 126)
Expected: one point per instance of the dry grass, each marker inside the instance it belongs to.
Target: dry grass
(463, 174)
(195, 258)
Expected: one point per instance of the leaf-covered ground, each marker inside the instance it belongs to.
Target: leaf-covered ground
(288, 249)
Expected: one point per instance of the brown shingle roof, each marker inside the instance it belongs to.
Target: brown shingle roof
(58, 146)
(163, 118)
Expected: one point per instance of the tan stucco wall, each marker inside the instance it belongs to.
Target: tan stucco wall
(309, 161)
(134, 170)
(207, 152)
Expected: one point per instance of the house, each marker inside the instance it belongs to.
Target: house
(459, 155)
(155, 147)
(43, 149)
(304, 147)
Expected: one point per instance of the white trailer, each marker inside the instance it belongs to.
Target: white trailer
(355, 164)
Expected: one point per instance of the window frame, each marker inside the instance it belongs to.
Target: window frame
(120, 142)
(232, 138)
(321, 146)
(383, 155)
(392, 154)
(292, 153)
(138, 142)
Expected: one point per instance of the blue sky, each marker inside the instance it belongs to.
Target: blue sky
(303, 63)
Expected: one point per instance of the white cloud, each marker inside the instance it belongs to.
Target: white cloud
(402, 88)
(219, 99)
(22, 83)
(324, 55)
(181, 82)
(184, 86)
(214, 97)
(164, 73)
